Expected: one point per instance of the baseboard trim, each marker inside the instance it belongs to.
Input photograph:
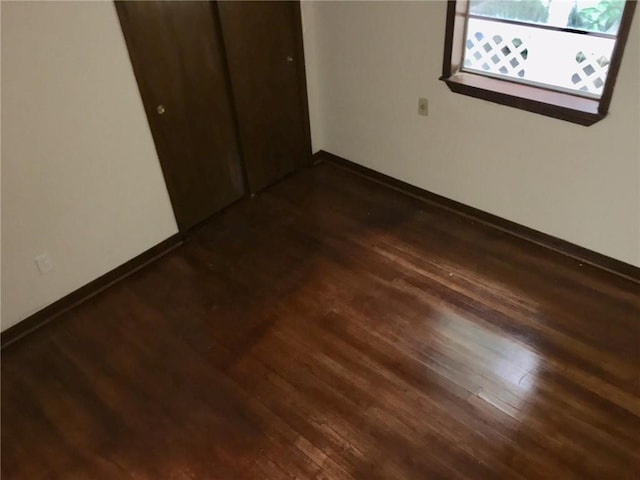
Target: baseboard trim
(91, 289)
(583, 255)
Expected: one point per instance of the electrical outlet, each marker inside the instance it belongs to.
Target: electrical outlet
(43, 262)
(423, 107)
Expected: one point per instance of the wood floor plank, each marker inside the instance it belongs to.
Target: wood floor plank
(332, 328)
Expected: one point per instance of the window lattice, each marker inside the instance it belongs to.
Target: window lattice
(494, 54)
(591, 72)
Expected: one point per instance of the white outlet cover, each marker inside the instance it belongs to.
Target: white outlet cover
(43, 262)
(423, 106)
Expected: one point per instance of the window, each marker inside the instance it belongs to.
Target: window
(554, 57)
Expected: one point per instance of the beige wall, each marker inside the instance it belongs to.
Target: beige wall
(372, 61)
(80, 175)
(311, 65)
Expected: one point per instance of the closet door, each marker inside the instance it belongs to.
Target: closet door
(263, 42)
(177, 56)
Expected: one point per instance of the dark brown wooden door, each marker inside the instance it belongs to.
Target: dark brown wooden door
(263, 41)
(178, 60)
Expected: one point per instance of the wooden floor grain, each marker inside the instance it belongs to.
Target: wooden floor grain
(333, 328)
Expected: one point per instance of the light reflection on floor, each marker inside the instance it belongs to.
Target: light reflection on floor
(502, 370)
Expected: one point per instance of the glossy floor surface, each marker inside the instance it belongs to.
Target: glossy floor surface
(333, 328)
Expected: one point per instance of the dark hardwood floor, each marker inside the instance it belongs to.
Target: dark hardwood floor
(333, 328)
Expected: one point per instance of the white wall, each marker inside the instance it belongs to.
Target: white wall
(372, 60)
(311, 65)
(80, 176)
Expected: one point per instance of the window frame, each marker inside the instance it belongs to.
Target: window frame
(544, 101)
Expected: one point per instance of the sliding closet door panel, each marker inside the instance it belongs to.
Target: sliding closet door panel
(263, 42)
(177, 56)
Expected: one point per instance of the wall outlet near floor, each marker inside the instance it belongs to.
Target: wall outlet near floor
(43, 262)
(423, 106)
